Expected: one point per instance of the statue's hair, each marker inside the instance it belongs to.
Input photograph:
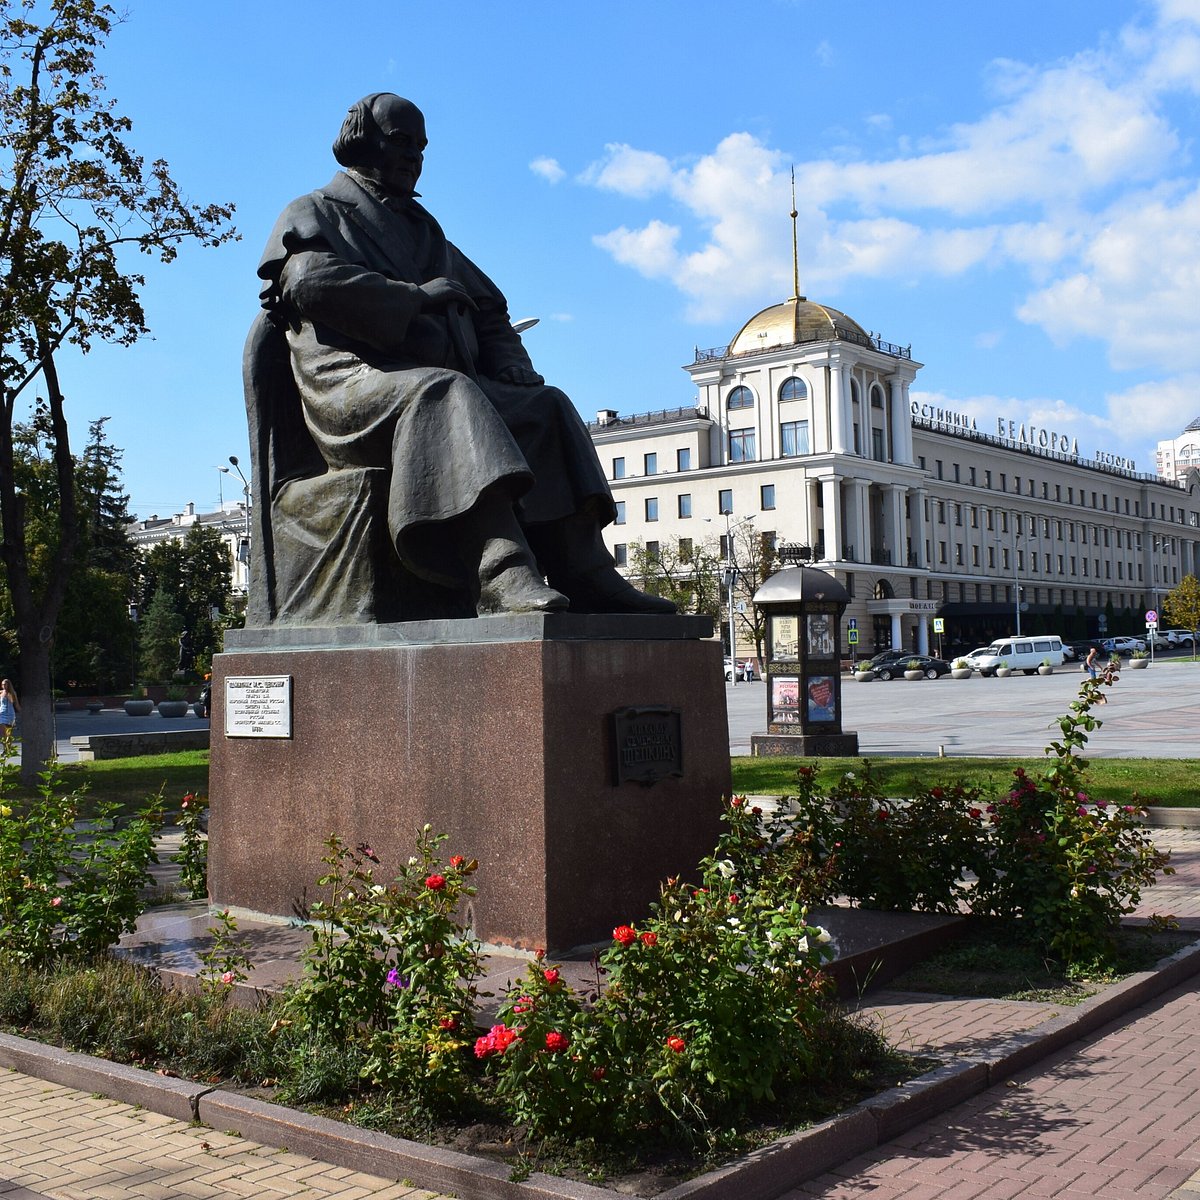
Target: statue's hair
(351, 146)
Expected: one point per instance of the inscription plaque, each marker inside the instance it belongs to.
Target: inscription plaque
(258, 706)
(647, 744)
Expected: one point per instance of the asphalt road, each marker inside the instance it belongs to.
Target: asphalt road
(1153, 713)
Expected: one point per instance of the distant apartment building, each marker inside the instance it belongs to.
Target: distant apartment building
(1175, 458)
(230, 521)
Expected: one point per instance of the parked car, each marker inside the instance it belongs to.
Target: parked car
(930, 667)
(1122, 645)
(1019, 654)
(1160, 639)
(886, 656)
(1181, 637)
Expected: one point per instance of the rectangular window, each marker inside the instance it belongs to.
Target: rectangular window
(620, 512)
(987, 479)
(956, 474)
(685, 505)
(937, 464)
(683, 459)
(741, 445)
(793, 439)
(685, 550)
(621, 554)
(725, 501)
(767, 496)
(652, 551)
(651, 508)
(651, 464)
(877, 445)
(618, 471)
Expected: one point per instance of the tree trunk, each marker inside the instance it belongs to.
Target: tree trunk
(37, 707)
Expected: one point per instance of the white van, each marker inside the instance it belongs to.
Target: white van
(1019, 654)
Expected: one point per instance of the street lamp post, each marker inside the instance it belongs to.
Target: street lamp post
(1016, 582)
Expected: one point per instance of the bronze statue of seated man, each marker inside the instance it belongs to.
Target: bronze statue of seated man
(384, 354)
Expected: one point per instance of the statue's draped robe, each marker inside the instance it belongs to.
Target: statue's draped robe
(382, 384)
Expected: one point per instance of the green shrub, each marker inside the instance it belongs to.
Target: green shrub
(67, 888)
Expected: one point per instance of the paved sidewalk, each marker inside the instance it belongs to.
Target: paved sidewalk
(62, 1144)
(1115, 1115)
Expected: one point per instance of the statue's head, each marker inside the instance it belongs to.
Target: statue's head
(383, 137)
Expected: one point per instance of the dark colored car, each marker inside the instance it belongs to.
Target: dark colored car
(930, 667)
(887, 656)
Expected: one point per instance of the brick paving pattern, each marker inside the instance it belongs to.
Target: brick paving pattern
(65, 1145)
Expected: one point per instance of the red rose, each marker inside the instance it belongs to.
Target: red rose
(597, 1073)
(649, 938)
(624, 934)
(450, 1023)
(551, 976)
(677, 1044)
(435, 883)
(737, 802)
(556, 1042)
(974, 814)
(456, 861)
(734, 897)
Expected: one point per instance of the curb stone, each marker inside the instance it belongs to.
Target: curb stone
(760, 1175)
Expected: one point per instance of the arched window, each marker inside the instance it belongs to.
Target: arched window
(876, 396)
(883, 591)
(793, 388)
(740, 397)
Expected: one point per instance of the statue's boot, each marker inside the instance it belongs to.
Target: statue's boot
(507, 578)
(578, 564)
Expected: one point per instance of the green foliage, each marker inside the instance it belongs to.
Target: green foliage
(66, 889)
(712, 1007)
(196, 573)
(390, 971)
(883, 853)
(689, 575)
(158, 638)
(75, 201)
(192, 856)
(226, 963)
(1067, 865)
(1182, 607)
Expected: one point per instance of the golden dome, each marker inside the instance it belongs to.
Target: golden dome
(796, 321)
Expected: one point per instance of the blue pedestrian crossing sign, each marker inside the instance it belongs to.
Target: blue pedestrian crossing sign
(852, 636)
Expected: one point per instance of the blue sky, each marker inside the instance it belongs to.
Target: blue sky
(1011, 189)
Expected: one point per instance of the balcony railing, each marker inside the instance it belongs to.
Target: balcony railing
(663, 415)
(720, 353)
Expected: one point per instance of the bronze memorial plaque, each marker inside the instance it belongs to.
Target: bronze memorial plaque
(647, 744)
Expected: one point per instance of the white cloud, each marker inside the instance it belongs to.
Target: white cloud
(548, 168)
(650, 251)
(1155, 410)
(824, 54)
(1136, 286)
(630, 172)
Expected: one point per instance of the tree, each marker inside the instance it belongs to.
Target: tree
(684, 573)
(753, 555)
(158, 641)
(196, 573)
(1182, 607)
(74, 200)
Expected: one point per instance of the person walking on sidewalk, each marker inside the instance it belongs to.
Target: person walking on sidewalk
(9, 707)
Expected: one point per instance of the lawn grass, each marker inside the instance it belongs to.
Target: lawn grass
(129, 782)
(1162, 782)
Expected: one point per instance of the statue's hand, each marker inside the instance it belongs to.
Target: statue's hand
(442, 293)
(520, 375)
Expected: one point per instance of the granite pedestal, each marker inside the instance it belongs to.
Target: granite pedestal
(498, 732)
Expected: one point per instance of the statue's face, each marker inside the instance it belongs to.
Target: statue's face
(401, 146)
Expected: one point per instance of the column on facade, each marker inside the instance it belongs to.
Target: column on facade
(833, 518)
(839, 423)
(812, 513)
(902, 442)
(858, 518)
(893, 514)
(897, 632)
(922, 634)
(918, 526)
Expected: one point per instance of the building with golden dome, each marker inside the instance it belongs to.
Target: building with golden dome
(803, 429)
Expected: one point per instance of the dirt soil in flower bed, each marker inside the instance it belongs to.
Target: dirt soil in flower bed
(990, 961)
